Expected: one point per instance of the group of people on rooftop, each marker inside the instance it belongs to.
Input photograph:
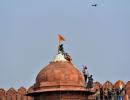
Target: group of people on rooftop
(110, 94)
(88, 79)
(65, 54)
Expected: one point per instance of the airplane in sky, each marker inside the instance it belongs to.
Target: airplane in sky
(94, 5)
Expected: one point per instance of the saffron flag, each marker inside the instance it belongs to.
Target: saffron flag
(61, 38)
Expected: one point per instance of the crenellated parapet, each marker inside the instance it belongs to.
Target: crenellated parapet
(128, 87)
(2, 94)
(13, 94)
(103, 91)
(20, 94)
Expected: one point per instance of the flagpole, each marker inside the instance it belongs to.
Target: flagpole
(58, 44)
(60, 39)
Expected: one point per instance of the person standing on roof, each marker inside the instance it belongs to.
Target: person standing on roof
(85, 73)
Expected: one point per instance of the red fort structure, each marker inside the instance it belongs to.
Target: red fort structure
(61, 80)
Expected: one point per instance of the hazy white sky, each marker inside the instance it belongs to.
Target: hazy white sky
(96, 36)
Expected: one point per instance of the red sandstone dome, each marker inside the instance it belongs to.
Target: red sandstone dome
(59, 75)
(60, 80)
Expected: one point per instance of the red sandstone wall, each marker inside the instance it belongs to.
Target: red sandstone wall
(19, 94)
(109, 85)
(13, 94)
